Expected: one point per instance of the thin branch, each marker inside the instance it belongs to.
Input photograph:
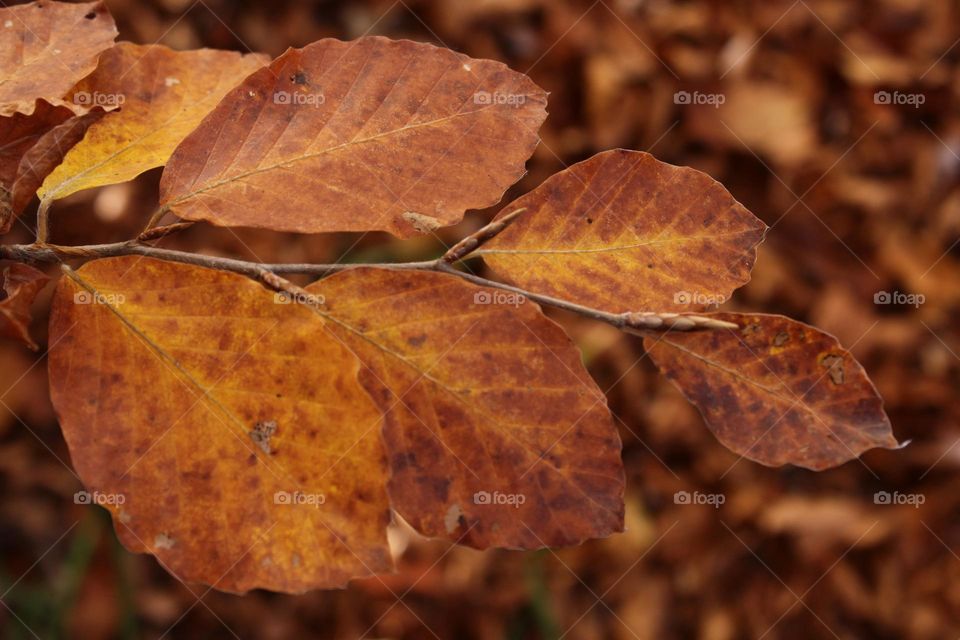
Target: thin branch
(631, 322)
(43, 221)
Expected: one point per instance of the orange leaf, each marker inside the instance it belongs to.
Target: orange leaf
(21, 284)
(777, 391)
(46, 47)
(358, 136)
(495, 433)
(226, 433)
(623, 231)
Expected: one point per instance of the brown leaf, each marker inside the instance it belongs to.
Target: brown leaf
(164, 94)
(623, 231)
(43, 157)
(46, 47)
(777, 391)
(207, 407)
(18, 134)
(358, 136)
(21, 284)
(495, 433)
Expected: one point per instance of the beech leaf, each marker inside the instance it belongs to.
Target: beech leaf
(226, 432)
(373, 134)
(42, 158)
(19, 133)
(777, 391)
(21, 284)
(163, 95)
(46, 48)
(495, 433)
(623, 231)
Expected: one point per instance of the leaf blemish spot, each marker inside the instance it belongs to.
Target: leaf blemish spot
(163, 541)
(299, 78)
(261, 434)
(781, 339)
(834, 365)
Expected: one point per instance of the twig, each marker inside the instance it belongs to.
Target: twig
(43, 221)
(473, 241)
(631, 322)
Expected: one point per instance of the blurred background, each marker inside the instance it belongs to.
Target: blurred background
(834, 121)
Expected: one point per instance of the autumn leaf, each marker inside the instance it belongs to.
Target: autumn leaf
(358, 136)
(224, 430)
(21, 284)
(18, 134)
(777, 391)
(623, 231)
(163, 95)
(43, 156)
(495, 433)
(46, 48)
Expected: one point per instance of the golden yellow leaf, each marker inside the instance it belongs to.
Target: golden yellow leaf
(46, 47)
(623, 231)
(495, 433)
(224, 430)
(162, 95)
(358, 136)
(777, 391)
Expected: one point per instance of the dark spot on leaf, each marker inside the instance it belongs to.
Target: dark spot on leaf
(91, 15)
(299, 78)
(416, 341)
(781, 339)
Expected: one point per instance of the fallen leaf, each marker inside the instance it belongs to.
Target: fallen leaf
(164, 375)
(21, 284)
(777, 391)
(163, 95)
(623, 231)
(495, 433)
(350, 136)
(46, 48)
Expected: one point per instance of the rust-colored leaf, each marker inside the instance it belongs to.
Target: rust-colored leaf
(495, 433)
(21, 284)
(358, 136)
(163, 95)
(623, 231)
(44, 156)
(777, 391)
(18, 134)
(224, 430)
(46, 48)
